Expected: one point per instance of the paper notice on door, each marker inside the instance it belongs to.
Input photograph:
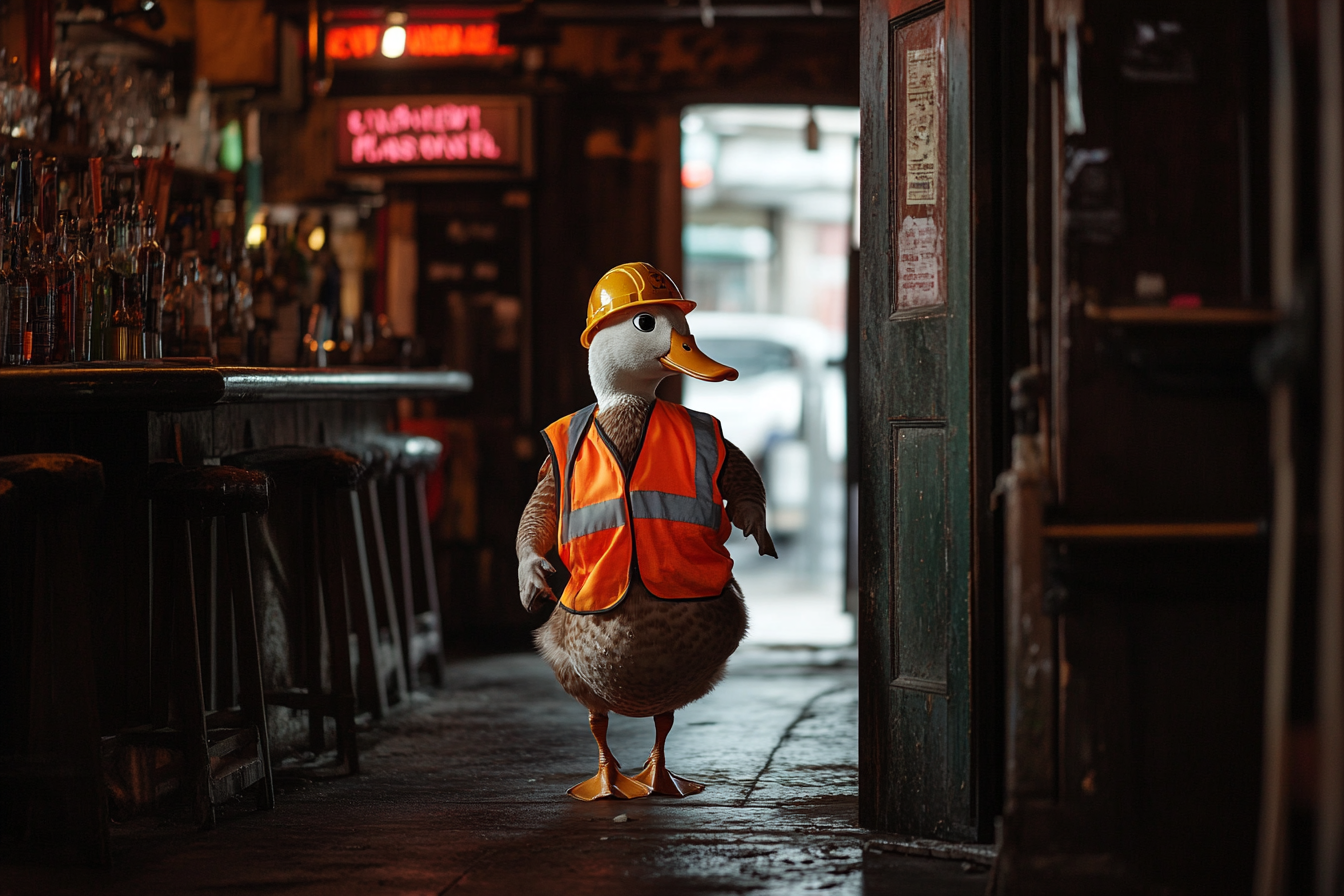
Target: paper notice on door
(919, 270)
(922, 123)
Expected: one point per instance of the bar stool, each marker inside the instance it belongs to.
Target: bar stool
(49, 731)
(422, 637)
(378, 628)
(332, 565)
(224, 751)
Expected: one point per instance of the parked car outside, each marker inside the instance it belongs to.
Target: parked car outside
(785, 410)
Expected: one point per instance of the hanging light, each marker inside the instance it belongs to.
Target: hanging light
(394, 35)
(317, 238)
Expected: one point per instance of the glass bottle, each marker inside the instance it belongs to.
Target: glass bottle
(150, 261)
(173, 323)
(38, 341)
(123, 334)
(62, 276)
(81, 328)
(229, 335)
(200, 334)
(4, 278)
(100, 267)
(19, 333)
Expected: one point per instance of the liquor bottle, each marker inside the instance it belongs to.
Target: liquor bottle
(150, 261)
(4, 279)
(62, 279)
(19, 333)
(100, 268)
(43, 302)
(135, 297)
(81, 327)
(123, 334)
(200, 334)
(173, 323)
(31, 284)
(229, 335)
(263, 305)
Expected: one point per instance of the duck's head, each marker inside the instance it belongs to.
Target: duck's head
(637, 335)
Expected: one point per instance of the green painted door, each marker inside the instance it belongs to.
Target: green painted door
(918, 762)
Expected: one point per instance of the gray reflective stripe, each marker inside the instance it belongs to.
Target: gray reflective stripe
(578, 428)
(677, 508)
(594, 518)
(702, 510)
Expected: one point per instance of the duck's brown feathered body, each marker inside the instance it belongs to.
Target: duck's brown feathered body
(645, 656)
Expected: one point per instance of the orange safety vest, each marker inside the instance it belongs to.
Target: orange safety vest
(662, 521)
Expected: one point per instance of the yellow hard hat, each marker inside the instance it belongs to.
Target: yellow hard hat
(632, 283)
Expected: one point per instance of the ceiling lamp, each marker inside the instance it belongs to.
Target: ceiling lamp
(394, 35)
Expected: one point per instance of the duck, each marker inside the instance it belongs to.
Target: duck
(639, 496)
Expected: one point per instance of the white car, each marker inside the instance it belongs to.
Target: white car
(785, 410)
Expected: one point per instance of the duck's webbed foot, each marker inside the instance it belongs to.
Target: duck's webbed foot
(655, 775)
(608, 783)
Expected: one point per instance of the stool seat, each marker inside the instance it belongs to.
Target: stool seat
(413, 454)
(48, 478)
(204, 492)
(332, 576)
(322, 467)
(376, 458)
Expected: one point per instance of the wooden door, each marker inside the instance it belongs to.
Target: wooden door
(919, 439)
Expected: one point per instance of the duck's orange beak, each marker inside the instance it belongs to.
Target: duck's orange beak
(684, 357)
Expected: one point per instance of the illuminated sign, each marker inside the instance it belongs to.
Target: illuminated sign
(430, 131)
(437, 40)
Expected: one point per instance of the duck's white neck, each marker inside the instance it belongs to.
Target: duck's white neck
(616, 386)
(624, 390)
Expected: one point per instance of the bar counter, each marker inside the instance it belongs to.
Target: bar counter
(187, 387)
(129, 416)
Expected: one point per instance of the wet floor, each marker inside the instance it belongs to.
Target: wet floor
(466, 795)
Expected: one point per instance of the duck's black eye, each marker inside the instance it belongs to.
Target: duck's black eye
(645, 323)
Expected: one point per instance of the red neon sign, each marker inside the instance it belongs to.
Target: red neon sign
(433, 131)
(444, 40)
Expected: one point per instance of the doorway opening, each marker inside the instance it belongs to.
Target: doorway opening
(768, 203)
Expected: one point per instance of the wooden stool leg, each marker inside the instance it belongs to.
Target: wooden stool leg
(167, 576)
(313, 621)
(359, 587)
(251, 695)
(190, 693)
(338, 634)
(382, 580)
(407, 583)
(438, 669)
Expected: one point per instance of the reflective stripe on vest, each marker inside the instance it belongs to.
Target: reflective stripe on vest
(681, 534)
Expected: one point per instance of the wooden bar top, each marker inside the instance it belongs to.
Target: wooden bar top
(185, 387)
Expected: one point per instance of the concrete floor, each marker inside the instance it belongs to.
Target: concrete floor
(466, 795)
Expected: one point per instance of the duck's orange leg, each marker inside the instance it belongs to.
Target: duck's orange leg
(655, 774)
(608, 783)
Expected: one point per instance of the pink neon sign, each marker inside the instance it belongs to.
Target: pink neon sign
(429, 131)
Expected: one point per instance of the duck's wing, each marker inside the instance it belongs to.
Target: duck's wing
(538, 529)
(742, 488)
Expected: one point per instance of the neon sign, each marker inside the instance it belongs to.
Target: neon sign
(428, 131)
(442, 40)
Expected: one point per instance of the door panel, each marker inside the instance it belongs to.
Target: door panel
(917, 514)
(919, 534)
